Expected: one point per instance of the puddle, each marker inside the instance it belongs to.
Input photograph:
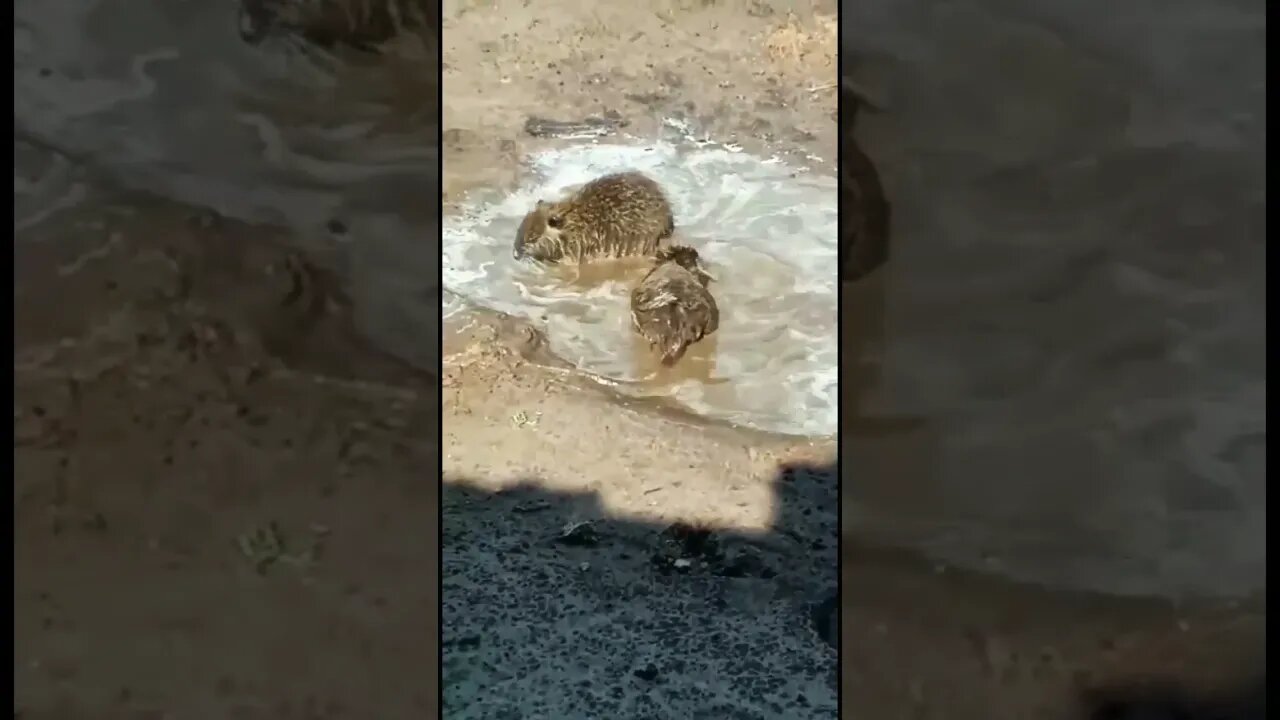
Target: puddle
(1073, 319)
(169, 100)
(768, 233)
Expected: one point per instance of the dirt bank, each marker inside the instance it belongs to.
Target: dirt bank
(756, 73)
(206, 523)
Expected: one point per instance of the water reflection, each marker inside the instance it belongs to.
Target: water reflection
(1061, 373)
(171, 100)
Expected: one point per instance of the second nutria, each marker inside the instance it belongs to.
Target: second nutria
(617, 215)
(671, 307)
(864, 211)
(359, 23)
(864, 240)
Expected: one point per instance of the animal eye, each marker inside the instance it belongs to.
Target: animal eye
(553, 221)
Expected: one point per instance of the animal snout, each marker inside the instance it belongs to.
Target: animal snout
(254, 26)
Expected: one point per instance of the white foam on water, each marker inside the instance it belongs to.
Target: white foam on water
(767, 232)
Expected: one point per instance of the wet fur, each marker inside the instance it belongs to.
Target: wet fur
(362, 24)
(619, 215)
(671, 308)
(864, 242)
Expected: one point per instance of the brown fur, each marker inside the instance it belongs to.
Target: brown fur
(359, 23)
(865, 234)
(671, 308)
(624, 214)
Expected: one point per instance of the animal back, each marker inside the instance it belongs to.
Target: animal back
(622, 214)
(356, 22)
(672, 310)
(866, 242)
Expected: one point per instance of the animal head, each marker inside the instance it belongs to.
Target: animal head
(544, 225)
(259, 18)
(262, 18)
(687, 258)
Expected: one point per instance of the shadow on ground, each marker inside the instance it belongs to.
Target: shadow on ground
(1171, 702)
(552, 608)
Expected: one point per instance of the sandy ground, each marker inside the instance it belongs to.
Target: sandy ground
(731, 635)
(755, 72)
(226, 501)
(224, 504)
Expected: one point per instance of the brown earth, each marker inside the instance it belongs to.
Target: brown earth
(181, 390)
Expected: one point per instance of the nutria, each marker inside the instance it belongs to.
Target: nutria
(865, 235)
(671, 307)
(362, 24)
(853, 99)
(612, 216)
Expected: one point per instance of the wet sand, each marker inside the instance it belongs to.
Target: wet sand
(220, 507)
(922, 640)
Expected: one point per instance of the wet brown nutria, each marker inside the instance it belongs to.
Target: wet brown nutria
(612, 216)
(359, 23)
(671, 307)
(865, 236)
(855, 99)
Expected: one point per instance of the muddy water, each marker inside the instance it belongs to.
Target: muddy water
(766, 232)
(341, 149)
(1062, 371)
